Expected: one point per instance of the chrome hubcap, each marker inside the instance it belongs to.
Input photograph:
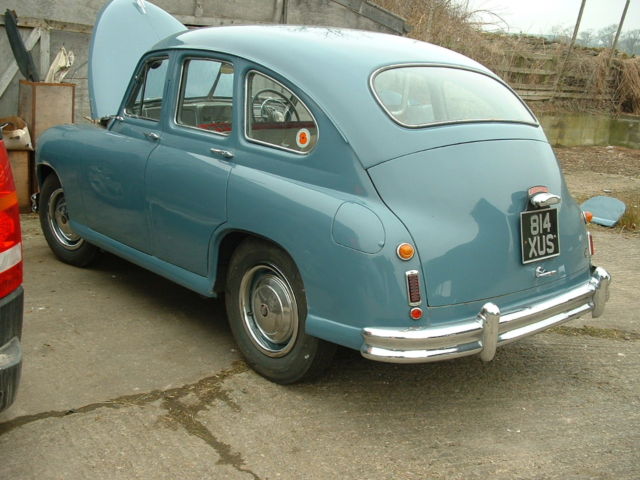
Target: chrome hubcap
(269, 310)
(59, 221)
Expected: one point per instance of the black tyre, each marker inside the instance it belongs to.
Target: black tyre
(267, 309)
(67, 245)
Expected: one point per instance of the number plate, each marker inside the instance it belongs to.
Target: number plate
(539, 233)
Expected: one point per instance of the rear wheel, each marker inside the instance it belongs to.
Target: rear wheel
(66, 244)
(267, 309)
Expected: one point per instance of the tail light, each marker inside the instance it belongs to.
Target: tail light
(10, 236)
(413, 288)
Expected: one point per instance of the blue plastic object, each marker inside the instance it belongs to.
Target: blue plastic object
(606, 210)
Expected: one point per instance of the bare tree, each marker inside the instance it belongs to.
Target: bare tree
(630, 42)
(606, 35)
(587, 38)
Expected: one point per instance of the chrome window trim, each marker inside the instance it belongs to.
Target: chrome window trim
(180, 85)
(380, 70)
(126, 114)
(246, 116)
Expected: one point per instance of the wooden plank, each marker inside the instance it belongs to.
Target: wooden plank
(12, 68)
(536, 96)
(532, 86)
(530, 71)
(543, 86)
(195, 21)
(531, 55)
(45, 52)
(32, 22)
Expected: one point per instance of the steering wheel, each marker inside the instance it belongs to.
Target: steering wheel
(273, 106)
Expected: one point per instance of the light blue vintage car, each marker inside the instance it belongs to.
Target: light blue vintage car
(337, 186)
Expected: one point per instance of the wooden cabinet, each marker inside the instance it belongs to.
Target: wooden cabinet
(43, 105)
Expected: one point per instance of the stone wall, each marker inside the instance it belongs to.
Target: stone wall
(581, 129)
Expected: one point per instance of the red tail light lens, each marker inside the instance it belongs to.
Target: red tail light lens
(10, 235)
(413, 288)
(592, 247)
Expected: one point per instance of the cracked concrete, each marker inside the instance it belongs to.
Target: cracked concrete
(178, 412)
(128, 376)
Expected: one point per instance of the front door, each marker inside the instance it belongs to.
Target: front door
(114, 177)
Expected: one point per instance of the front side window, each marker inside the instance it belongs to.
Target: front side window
(417, 96)
(206, 95)
(146, 100)
(277, 117)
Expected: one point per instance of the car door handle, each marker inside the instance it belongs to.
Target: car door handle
(152, 135)
(223, 153)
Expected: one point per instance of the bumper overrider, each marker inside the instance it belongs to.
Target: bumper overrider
(488, 330)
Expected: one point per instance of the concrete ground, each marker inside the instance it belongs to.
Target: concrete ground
(128, 376)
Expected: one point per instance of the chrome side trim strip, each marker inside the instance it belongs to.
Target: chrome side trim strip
(488, 330)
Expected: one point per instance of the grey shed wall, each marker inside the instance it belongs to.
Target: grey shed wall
(68, 23)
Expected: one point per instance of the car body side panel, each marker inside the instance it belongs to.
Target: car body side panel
(190, 280)
(345, 285)
(58, 148)
(113, 182)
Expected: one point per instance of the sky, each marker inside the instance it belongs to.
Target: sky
(540, 16)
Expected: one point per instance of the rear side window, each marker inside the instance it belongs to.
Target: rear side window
(146, 100)
(206, 95)
(417, 96)
(275, 116)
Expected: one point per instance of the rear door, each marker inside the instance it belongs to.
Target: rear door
(187, 174)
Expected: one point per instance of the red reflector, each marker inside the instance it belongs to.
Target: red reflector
(413, 287)
(538, 189)
(416, 313)
(592, 247)
(10, 279)
(10, 236)
(9, 227)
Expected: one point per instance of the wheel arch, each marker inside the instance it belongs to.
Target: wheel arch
(228, 244)
(43, 170)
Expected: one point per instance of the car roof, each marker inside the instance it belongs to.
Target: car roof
(332, 66)
(299, 48)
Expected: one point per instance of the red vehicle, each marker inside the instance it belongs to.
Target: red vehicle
(11, 292)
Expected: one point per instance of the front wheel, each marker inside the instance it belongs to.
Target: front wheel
(267, 309)
(66, 244)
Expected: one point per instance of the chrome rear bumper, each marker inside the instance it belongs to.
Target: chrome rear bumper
(488, 330)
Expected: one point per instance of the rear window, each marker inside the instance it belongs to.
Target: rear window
(277, 117)
(417, 96)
